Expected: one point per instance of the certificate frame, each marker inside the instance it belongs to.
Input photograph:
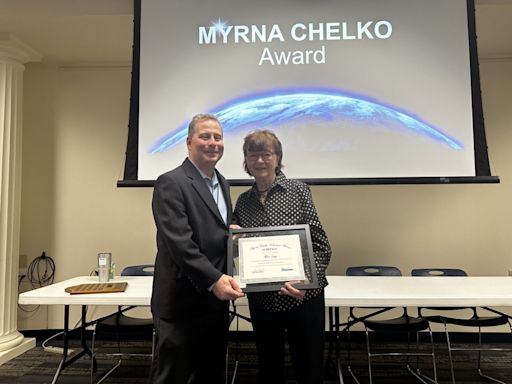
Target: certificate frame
(297, 235)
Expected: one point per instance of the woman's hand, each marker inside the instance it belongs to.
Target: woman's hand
(290, 290)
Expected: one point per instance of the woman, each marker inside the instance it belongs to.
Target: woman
(274, 200)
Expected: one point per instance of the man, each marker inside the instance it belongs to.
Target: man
(192, 212)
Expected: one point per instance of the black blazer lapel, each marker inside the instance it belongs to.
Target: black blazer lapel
(202, 190)
(227, 197)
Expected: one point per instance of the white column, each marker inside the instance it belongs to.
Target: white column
(13, 55)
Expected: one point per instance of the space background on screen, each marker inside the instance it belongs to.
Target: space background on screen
(359, 88)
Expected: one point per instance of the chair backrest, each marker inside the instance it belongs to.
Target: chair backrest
(138, 270)
(433, 272)
(429, 272)
(373, 270)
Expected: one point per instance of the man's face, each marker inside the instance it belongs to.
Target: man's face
(206, 146)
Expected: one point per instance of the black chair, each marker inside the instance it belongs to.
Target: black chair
(472, 319)
(121, 326)
(403, 324)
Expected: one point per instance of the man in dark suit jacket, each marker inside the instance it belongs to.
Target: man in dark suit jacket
(192, 212)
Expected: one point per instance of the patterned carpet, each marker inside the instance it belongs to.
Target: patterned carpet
(38, 367)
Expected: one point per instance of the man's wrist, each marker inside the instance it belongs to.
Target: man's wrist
(210, 288)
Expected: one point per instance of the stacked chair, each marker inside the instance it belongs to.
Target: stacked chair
(121, 326)
(474, 319)
(404, 324)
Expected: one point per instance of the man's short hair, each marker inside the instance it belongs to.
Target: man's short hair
(197, 119)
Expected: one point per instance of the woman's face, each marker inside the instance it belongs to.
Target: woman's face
(262, 164)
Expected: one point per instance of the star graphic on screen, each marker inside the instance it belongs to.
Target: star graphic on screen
(220, 25)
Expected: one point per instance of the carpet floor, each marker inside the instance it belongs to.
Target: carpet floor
(38, 366)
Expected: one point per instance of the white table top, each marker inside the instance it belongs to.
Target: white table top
(489, 291)
(342, 291)
(138, 292)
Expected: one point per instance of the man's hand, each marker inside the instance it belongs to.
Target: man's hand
(226, 288)
(290, 290)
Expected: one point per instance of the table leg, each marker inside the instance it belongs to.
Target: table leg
(65, 362)
(83, 337)
(62, 363)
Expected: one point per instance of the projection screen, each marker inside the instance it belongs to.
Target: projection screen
(355, 90)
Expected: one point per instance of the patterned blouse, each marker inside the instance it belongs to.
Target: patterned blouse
(288, 202)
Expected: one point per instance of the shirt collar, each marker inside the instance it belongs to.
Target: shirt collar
(280, 182)
(214, 180)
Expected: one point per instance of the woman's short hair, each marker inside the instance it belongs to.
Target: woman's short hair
(263, 140)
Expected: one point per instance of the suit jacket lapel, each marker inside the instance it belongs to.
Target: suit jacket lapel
(225, 190)
(199, 185)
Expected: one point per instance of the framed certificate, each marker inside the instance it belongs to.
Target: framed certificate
(264, 258)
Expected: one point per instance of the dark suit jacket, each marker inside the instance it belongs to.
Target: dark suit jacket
(191, 241)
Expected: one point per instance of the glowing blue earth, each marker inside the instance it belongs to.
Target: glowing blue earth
(275, 108)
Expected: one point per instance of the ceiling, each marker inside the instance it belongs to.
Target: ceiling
(100, 31)
(72, 31)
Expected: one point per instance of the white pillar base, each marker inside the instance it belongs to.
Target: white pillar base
(10, 340)
(24, 346)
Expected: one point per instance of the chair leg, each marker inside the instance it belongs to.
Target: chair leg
(93, 357)
(418, 348)
(479, 367)
(93, 360)
(479, 349)
(408, 349)
(349, 345)
(480, 372)
(340, 373)
(408, 354)
(450, 357)
(235, 368)
(423, 378)
(417, 373)
(338, 354)
(434, 367)
(349, 367)
(433, 355)
(369, 356)
(490, 378)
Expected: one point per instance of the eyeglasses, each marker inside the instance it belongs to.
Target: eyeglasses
(265, 156)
